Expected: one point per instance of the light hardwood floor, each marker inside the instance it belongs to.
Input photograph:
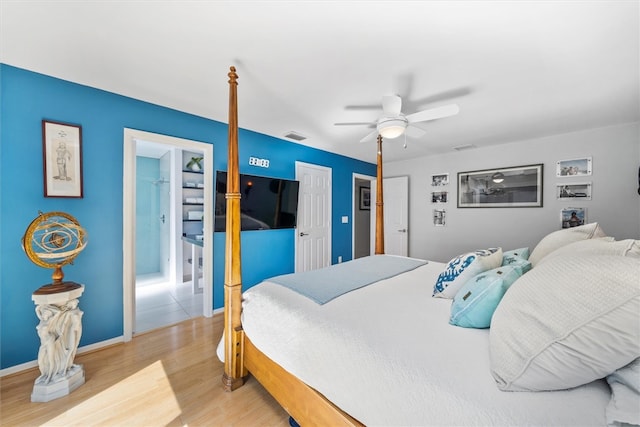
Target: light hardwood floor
(167, 377)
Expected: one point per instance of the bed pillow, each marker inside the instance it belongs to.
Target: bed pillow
(559, 238)
(515, 261)
(567, 322)
(597, 246)
(521, 253)
(476, 301)
(624, 407)
(463, 267)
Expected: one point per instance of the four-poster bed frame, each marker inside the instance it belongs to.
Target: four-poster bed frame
(383, 376)
(303, 403)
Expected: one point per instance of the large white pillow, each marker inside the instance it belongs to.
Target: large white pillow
(624, 407)
(567, 322)
(464, 267)
(597, 246)
(559, 238)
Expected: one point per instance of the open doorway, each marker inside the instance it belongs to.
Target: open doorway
(361, 215)
(154, 215)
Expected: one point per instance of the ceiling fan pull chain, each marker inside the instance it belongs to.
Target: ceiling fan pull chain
(405, 141)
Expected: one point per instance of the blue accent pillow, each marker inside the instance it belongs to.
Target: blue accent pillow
(517, 258)
(475, 302)
(515, 261)
(522, 253)
(463, 267)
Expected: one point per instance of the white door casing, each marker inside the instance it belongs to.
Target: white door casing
(396, 215)
(129, 222)
(313, 233)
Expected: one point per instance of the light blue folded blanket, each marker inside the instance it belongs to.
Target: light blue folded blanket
(327, 283)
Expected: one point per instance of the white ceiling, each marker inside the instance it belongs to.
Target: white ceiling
(517, 69)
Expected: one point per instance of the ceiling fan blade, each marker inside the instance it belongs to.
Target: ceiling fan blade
(362, 107)
(434, 113)
(371, 137)
(391, 105)
(414, 132)
(355, 124)
(404, 87)
(437, 97)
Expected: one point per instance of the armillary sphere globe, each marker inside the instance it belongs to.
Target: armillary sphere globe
(54, 239)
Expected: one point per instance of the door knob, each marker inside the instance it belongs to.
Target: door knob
(303, 234)
(404, 230)
(162, 218)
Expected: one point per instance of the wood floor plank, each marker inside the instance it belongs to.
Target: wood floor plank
(167, 377)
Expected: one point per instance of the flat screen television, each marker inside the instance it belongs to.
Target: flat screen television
(265, 203)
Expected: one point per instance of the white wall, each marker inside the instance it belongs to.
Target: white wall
(615, 201)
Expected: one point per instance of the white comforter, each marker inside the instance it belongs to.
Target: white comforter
(386, 355)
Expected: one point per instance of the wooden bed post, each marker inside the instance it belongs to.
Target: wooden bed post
(234, 370)
(379, 250)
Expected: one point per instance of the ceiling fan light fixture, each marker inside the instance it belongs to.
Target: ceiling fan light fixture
(391, 128)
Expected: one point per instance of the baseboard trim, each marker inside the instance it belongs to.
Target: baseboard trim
(84, 349)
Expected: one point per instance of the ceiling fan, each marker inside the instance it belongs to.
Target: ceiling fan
(393, 123)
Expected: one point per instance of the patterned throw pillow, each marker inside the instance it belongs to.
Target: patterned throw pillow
(475, 302)
(462, 268)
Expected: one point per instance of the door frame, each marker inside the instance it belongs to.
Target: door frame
(354, 198)
(329, 208)
(129, 220)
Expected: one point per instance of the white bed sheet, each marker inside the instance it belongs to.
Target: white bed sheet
(387, 355)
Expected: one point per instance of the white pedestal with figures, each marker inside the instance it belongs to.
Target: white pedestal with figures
(60, 329)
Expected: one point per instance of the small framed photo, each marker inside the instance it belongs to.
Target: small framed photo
(574, 191)
(440, 179)
(365, 198)
(574, 167)
(439, 217)
(62, 159)
(439, 197)
(573, 217)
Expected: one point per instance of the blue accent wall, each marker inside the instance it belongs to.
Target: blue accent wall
(26, 98)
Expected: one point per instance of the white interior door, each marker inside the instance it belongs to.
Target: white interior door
(396, 215)
(313, 234)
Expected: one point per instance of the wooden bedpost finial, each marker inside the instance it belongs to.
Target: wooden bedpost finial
(233, 77)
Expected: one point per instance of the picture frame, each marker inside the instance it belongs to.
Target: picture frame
(62, 159)
(439, 196)
(365, 198)
(439, 217)
(509, 187)
(573, 191)
(573, 217)
(439, 179)
(574, 167)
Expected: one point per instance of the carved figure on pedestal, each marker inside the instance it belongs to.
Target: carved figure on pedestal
(59, 330)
